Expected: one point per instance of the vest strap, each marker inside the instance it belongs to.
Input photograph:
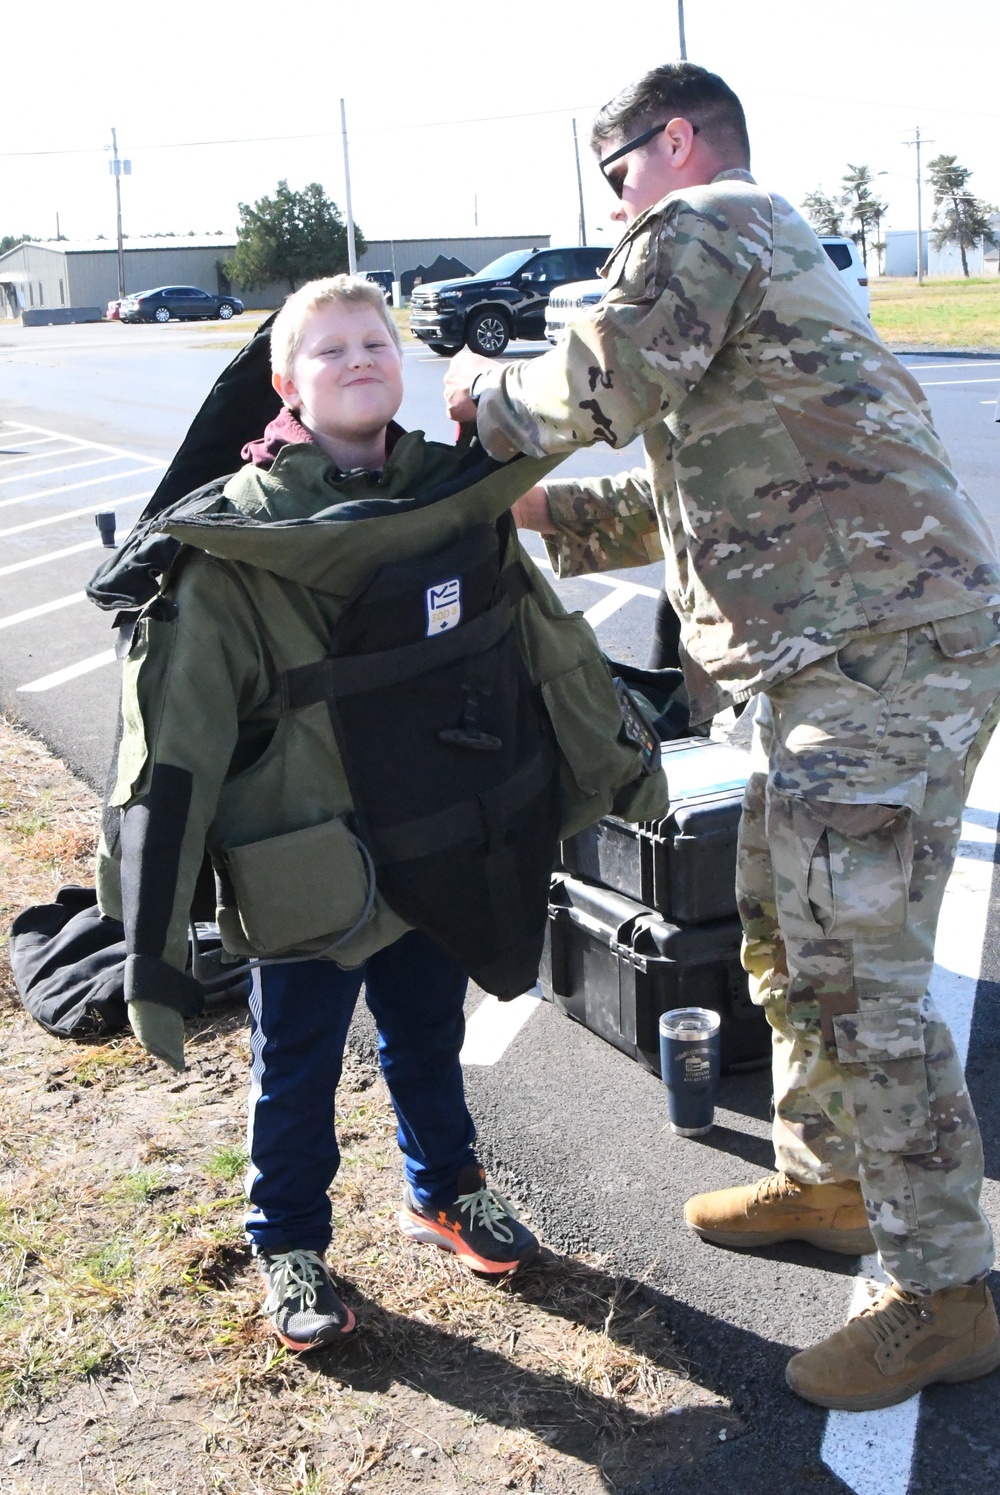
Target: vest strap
(351, 674)
(466, 820)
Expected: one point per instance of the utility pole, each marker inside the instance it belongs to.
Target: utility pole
(352, 256)
(918, 142)
(680, 30)
(579, 186)
(119, 168)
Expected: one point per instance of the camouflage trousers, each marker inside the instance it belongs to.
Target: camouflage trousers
(852, 816)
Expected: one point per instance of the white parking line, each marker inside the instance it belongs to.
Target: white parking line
(494, 1025)
(19, 529)
(50, 555)
(43, 607)
(636, 588)
(47, 472)
(99, 446)
(23, 498)
(608, 605)
(872, 1452)
(933, 383)
(82, 667)
(39, 456)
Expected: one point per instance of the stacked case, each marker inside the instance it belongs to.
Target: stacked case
(642, 918)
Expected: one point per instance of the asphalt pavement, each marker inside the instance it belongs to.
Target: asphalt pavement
(88, 418)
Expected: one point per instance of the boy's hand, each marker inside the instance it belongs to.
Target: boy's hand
(532, 511)
(160, 1030)
(462, 369)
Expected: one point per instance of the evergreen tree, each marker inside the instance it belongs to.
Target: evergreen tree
(826, 214)
(11, 241)
(861, 206)
(292, 236)
(959, 217)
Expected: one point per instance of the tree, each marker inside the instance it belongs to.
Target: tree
(861, 206)
(959, 217)
(292, 236)
(826, 214)
(11, 241)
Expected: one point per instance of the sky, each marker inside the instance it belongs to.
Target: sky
(461, 123)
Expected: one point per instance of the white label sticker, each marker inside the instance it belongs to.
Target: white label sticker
(444, 606)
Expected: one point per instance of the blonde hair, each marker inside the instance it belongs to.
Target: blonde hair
(289, 325)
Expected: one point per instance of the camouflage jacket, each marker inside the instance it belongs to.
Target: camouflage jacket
(795, 484)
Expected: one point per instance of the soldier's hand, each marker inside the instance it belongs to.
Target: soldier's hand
(462, 369)
(532, 511)
(160, 1030)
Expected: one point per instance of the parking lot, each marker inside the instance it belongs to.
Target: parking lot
(90, 418)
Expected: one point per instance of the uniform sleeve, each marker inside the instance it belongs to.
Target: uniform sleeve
(195, 668)
(682, 283)
(602, 524)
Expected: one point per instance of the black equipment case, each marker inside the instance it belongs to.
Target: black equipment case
(615, 966)
(683, 866)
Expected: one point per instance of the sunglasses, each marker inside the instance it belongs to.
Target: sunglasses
(617, 183)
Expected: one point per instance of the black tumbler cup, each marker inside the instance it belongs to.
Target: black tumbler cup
(689, 1063)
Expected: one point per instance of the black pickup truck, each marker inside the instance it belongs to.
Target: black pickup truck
(507, 299)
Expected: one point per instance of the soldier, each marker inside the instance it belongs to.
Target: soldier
(824, 558)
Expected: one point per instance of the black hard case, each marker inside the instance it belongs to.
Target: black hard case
(615, 966)
(684, 865)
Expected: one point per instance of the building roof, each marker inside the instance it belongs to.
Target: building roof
(92, 246)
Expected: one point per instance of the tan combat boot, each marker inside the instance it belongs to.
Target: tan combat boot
(779, 1209)
(899, 1345)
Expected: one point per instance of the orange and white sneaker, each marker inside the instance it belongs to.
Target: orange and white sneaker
(481, 1228)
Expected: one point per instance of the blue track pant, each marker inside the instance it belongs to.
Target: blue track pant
(300, 1014)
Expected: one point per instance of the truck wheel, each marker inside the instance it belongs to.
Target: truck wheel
(488, 332)
(444, 350)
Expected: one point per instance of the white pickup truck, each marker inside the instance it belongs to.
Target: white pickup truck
(571, 302)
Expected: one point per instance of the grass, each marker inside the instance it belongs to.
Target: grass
(133, 1355)
(939, 314)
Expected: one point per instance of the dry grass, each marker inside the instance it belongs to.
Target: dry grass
(939, 314)
(133, 1356)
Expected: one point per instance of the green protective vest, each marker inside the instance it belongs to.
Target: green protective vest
(214, 753)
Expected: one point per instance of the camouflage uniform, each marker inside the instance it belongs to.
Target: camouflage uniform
(820, 552)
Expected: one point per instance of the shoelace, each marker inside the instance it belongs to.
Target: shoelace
(301, 1272)
(886, 1318)
(487, 1207)
(775, 1186)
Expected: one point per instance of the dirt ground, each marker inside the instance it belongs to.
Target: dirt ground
(133, 1356)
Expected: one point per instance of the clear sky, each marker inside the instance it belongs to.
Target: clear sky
(453, 111)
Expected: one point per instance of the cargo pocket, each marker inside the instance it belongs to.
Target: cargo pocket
(304, 886)
(860, 870)
(587, 720)
(882, 1053)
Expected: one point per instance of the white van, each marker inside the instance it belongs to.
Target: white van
(570, 302)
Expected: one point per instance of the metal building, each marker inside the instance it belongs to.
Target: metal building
(69, 273)
(63, 272)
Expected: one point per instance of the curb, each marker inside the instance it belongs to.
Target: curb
(923, 352)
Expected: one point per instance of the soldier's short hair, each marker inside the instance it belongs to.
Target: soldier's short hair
(289, 325)
(680, 89)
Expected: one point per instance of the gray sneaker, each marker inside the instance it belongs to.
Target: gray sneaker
(306, 1311)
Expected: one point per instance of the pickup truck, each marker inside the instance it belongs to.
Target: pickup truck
(505, 300)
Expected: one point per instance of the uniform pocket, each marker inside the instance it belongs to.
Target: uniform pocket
(587, 720)
(882, 1053)
(860, 870)
(303, 886)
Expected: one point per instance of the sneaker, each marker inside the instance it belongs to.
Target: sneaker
(898, 1346)
(780, 1209)
(481, 1228)
(306, 1311)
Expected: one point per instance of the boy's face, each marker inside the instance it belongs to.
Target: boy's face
(346, 380)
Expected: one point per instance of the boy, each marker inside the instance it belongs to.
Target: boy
(337, 366)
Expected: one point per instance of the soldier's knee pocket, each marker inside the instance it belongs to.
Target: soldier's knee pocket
(842, 870)
(882, 1055)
